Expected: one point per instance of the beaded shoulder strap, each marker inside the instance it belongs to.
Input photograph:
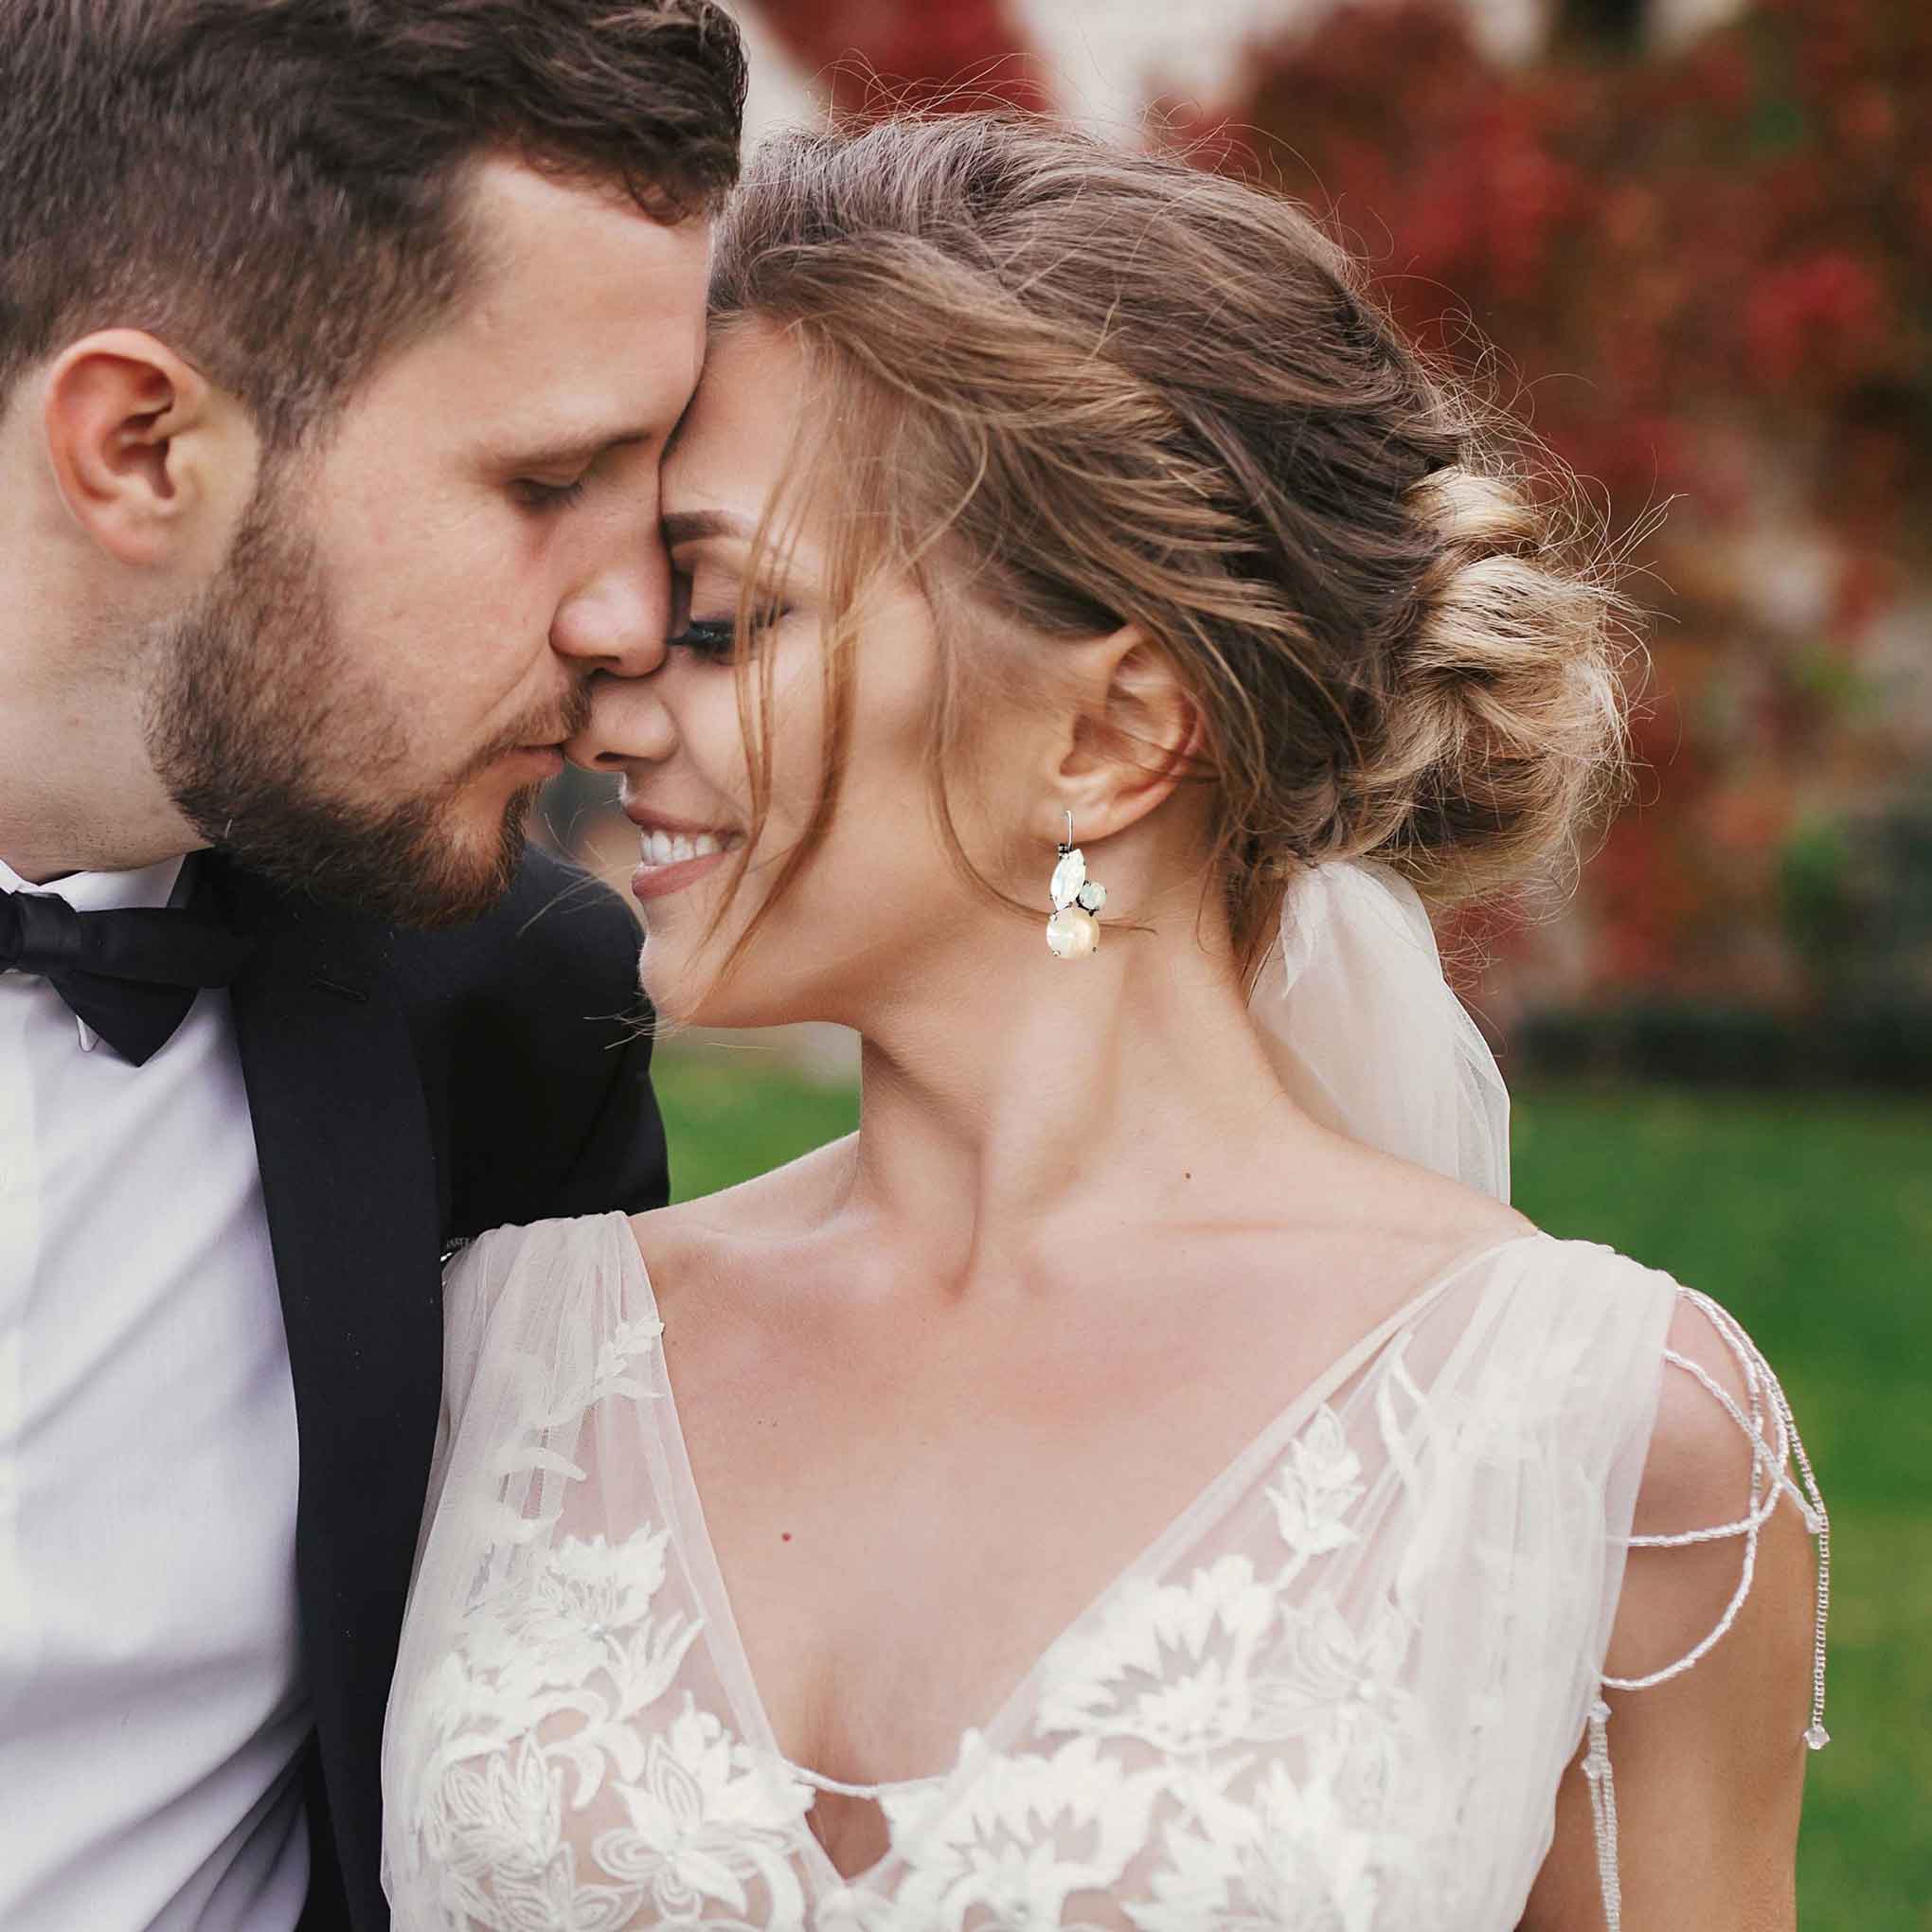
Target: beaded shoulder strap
(1765, 1402)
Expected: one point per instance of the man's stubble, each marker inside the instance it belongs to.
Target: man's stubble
(281, 755)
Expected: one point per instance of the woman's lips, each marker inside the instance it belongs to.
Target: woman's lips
(672, 860)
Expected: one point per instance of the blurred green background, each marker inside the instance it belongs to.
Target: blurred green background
(1811, 1219)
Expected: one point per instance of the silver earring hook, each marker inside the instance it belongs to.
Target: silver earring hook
(1069, 825)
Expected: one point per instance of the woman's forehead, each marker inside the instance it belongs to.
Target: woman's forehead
(738, 446)
(750, 386)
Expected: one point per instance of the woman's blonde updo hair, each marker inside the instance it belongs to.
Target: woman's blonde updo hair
(1111, 388)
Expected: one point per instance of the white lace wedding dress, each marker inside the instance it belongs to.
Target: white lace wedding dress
(1338, 1691)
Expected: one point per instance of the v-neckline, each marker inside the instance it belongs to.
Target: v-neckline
(734, 1661)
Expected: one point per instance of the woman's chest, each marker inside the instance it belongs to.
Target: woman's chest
(886, 1604)
(901, 1552)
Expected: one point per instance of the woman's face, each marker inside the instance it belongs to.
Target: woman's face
(878, 905)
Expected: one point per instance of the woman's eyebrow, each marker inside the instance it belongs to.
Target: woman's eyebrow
(691, 525)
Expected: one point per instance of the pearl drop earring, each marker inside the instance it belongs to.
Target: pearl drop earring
(1073, 931)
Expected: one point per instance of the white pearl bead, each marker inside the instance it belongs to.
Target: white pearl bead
(1072, 934)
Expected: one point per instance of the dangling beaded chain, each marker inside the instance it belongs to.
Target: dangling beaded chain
(820, 1781)
(1603, 1814)
(1767, 1459)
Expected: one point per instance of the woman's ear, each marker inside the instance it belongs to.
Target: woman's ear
(151, 460)
(1133, 739)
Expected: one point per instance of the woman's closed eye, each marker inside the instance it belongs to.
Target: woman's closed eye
(712, 638)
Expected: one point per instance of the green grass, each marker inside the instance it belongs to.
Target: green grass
(730, 1113)
(1810, 1217)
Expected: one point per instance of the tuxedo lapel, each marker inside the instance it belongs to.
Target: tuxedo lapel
(349, 1184)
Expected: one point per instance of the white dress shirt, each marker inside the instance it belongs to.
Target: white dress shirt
(151, 1708)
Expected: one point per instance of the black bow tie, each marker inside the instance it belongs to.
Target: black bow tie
(131, 973)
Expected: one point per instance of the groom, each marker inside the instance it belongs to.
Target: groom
(338, 343)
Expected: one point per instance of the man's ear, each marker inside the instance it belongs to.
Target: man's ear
(152, 459)
(1135, 739)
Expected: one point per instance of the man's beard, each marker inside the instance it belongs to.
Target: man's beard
(276, 756)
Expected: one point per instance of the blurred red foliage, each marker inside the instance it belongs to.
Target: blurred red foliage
(1709, 276)
(964, 53)
(1750, 220)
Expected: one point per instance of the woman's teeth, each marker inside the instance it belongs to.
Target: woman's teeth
(675, 848)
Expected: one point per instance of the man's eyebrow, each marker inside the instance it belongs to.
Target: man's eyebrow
(574, 452)
(694, 526)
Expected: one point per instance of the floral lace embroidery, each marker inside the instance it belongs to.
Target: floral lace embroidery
(551, 1701)
(563, 1688)
(1162, 1701)
(547, 1703)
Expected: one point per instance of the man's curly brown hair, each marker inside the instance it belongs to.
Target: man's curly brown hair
(276, 186)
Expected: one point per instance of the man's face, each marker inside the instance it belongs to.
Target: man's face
(368, 699)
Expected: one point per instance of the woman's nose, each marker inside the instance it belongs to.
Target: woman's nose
(629, 724)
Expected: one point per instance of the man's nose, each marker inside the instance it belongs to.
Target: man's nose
(616, 621)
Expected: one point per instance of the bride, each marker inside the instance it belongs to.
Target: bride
(1147, 1477)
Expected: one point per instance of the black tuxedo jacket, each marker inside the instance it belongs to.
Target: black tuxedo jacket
(409, 1090)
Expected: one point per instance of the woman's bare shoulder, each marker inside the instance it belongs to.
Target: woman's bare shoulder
(1410, 1219)
(694, 1239)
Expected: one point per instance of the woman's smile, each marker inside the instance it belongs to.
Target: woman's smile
(672, 856)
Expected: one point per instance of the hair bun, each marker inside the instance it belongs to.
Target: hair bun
(1504, 724)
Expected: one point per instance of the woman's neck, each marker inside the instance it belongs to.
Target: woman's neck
(1050, 1104)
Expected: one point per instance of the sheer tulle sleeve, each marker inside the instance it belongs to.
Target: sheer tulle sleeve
(1779, 1470)
(528, 1313)
(473, 1280)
